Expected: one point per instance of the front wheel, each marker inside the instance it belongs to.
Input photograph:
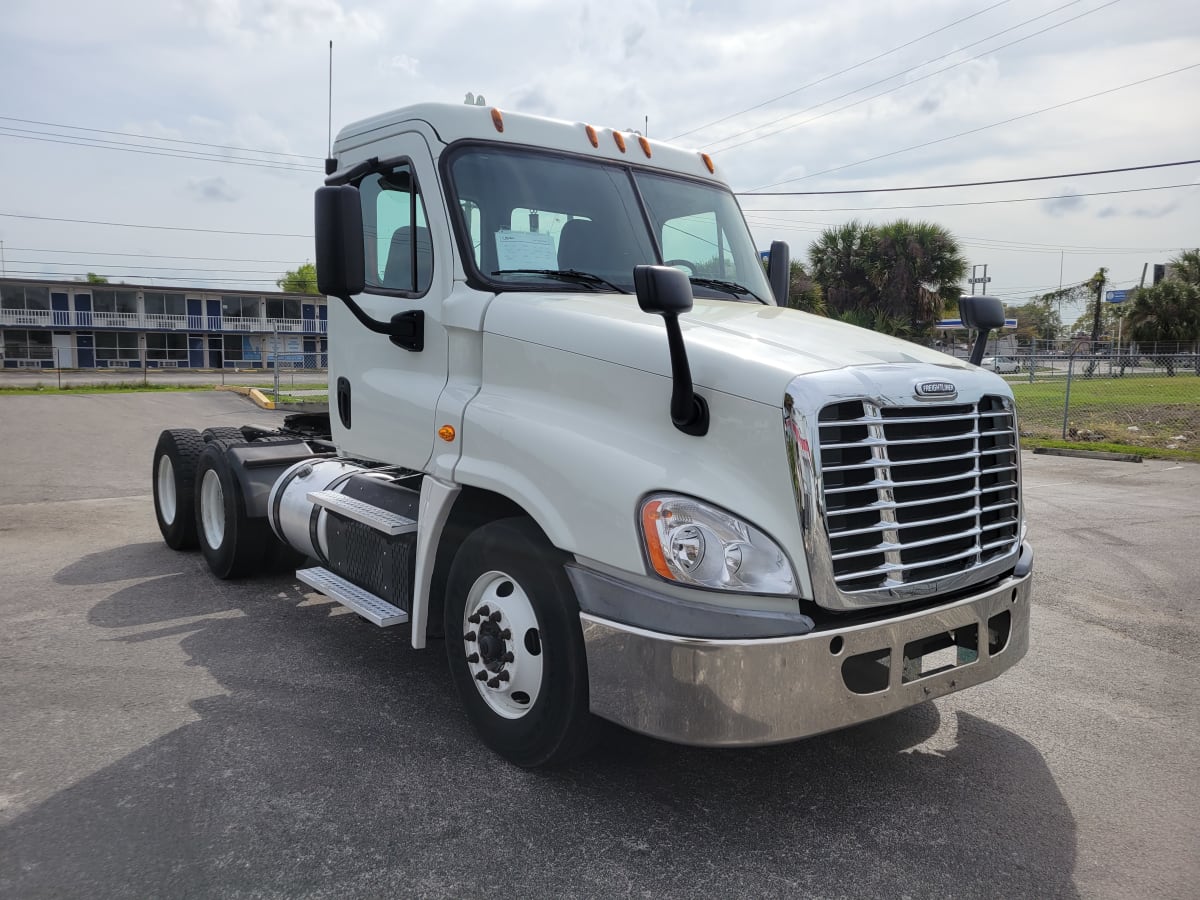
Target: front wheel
(515, 645)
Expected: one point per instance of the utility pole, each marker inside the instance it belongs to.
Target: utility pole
(1099, 299)
(975, 279)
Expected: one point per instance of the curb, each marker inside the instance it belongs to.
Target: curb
(1088, 454)
(256, 396)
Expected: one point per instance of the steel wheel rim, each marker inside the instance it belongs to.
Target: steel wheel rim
(212, 509)
(512, 673)
(167, 502)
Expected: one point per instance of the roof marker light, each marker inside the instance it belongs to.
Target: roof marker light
(592, 136)
(645, 145)
(497, 120)
(620, 139)
(708, 163)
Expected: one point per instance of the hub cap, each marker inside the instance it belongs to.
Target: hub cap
(212, 509)
(166, 490)
(502, 644)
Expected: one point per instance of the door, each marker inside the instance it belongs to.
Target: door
(64, 352)
(216, 353)
(394, 391)
(214, 316)
(87, 350)
(195, 351)
(195, 316)
(83, 310)
(60, 306)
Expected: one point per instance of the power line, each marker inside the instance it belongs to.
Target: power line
(97, 144)
(153, 138)
(155, 227)
(917, 80)
(1008, 121)
(961, 184)
(825, 78)
(1161, 187)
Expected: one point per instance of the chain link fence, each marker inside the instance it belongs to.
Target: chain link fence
(1144, 395)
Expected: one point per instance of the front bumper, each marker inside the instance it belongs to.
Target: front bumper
(753, 691)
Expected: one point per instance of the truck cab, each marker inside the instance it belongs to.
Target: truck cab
(574, 432)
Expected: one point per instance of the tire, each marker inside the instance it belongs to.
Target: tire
(223, 433)
(173, 476)
(234, 545)
(538, 715)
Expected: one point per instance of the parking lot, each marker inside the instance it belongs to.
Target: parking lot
(166, 734)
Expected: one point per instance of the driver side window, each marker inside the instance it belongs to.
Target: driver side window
(397, 243)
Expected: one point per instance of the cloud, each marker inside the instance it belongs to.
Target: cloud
(250, 21)
(213, 190)
(633, 34)
(1139, 212)
(1060, 206)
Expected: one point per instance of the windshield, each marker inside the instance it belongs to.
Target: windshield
(533, 219)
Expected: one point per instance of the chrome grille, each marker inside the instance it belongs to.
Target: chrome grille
(918, 493)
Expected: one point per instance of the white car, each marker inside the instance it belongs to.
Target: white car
(1004, 365)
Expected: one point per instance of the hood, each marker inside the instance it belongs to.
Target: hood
(745, 349)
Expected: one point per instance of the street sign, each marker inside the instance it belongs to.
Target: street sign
(984, 280)
(1116, 296)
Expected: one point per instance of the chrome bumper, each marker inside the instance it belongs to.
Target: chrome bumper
(746, 692)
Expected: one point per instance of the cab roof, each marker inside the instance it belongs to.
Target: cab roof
(453, 122)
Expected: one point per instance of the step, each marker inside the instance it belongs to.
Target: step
(371, 516)
(352, 596)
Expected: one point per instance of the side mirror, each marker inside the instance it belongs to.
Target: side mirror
(982, 313)
(662, 290)
(667, 292)
(341, 266)
(779, 271)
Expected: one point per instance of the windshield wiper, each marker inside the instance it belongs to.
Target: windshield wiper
(729, 287)
(566, 275)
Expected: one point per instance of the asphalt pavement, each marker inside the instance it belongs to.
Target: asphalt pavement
(165, 734)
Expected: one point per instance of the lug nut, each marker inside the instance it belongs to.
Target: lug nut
(473, 618)
(506, 635)
(494, 683)
(507, 657)
(485, 611)
(470, 636)
(473, 658)
(503, 676)
(482, 676)
(495, 617)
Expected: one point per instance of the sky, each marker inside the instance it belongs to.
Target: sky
(795, 95)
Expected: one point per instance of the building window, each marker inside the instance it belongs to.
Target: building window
(283, 309)
(35, 297)
(239, 307)
(166, 346)
(165, 305)
(233, 347)
(104, 301)
(115, 345)
(27, 344)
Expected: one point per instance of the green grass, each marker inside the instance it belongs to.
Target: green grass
(1102, 392)
(1028, 443)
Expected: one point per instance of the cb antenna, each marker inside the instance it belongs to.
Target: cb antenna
(330, 162)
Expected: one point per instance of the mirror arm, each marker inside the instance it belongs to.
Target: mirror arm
(981, 339)
(406, 329)
(689, 411)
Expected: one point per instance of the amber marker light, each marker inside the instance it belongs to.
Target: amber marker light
(645, 146)
(446, 433)
(650, 517)
(592, 136)
(620, 139)
(708, 163)
(497, 120)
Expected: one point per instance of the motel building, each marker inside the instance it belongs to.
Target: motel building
(76, 325)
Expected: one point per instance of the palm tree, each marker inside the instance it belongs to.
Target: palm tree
(839, 261)
(1187, 267)
(1168, 313)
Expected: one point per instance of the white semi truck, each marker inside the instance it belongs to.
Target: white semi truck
(575, 432)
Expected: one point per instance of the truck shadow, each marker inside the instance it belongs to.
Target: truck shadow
(338, 763)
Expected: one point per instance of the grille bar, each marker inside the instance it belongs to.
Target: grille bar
(915, 518)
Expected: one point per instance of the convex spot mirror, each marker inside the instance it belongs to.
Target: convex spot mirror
(341, 265)
(662, 290)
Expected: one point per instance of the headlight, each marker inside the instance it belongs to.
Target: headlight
(692, 543)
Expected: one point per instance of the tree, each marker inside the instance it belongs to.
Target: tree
(1169, 311)
(1037, 318)
(897, 276)
(93, 278)
(302, 280)
(1186, 267)
(803, 291)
